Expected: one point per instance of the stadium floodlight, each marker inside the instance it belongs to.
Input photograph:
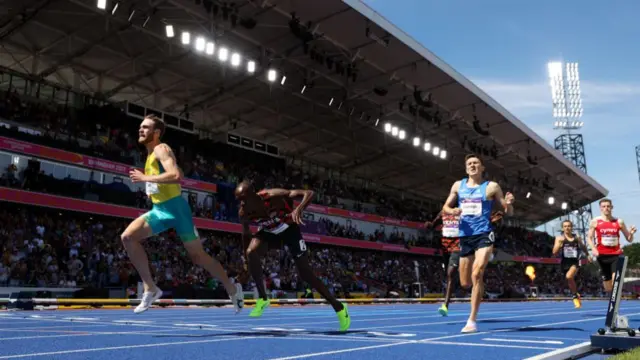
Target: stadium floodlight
(210, 48)
(304, 87)
(394, 131)
(169, 31)
(102, 4)
(331, 102)
(272, 75)
(443, 154)
(115, 8)
(284, 79)
(223, 54)
(436, 151)
(402, 135)
(551, 200)
(251, 66)
(186, 38)
(528, 194)
(427, 146)
(564, 206)
(416, 141)
(235, 59)
(387, 127)
(564, 80)
(201, 43)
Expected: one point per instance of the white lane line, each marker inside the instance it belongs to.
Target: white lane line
(154, 332)
(123, 347)
(490, 345)
(520, 328)
(553, 342)
(564, 353)
(303, 356)
(515, 336)
(44, 328)
(435, 340)
(480, 320)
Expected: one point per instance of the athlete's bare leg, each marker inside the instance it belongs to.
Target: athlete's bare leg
(570, 279)
(132, 238)
(212, 265)
(464, 272)
(451, 271)
(256, 250)
(307, 275)
(480, 262)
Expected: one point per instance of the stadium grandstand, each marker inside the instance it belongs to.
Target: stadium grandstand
(327, 96)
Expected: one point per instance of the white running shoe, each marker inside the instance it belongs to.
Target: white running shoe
(147, 300)
(471, 327)
(238, 299)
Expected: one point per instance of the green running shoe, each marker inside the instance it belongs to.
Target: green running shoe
(261, 304)
(444, 311)
(344, 318)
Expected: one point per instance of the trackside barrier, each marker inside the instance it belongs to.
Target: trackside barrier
(26, 303)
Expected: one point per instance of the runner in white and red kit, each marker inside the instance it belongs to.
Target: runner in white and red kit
(604, 239)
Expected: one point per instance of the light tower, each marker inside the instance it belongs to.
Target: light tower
(567, 112)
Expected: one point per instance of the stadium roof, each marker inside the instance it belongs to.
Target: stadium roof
(360, 72)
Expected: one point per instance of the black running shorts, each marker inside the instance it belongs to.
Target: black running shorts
(469, 244)
(291, 237)
(566, 264)
(607, 266)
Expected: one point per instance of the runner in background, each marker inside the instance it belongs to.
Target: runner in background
(570, 246)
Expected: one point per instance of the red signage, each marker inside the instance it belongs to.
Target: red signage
(362, 216)
(45, 152)
(59, 202)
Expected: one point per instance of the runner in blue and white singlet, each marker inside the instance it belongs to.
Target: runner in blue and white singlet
(472, 199)
(475, 228)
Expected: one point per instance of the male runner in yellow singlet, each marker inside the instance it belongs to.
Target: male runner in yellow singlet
(170, 210)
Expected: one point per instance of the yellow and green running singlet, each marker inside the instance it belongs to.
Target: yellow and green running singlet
(170, 209)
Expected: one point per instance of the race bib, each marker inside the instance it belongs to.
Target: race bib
(450, 232)
(152, 188)
(609, 240)
(471, 207)
(570, 252)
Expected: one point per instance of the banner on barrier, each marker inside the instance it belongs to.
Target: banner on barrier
(362, 216)
(85, 161)
(60, 202)
(85, 206)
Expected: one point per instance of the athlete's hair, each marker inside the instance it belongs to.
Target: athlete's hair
(469, 156)
(567, 221)
(605, 200)
(158, 124)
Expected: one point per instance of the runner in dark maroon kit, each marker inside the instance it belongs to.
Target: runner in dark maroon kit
(278, 222)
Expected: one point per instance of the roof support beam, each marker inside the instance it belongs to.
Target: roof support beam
(83, 50)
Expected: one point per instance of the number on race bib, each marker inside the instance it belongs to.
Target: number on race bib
(303, 245)
(472, 207)
(152, 188)
(610, 240)
(570, 252)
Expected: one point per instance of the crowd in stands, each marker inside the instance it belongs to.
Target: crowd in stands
(50, 248)
(44, 247)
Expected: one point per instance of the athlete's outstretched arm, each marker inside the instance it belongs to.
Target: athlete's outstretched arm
(590, 237)
(628, 233)
(505, 201)
(450, 204)
(557, 245)
(307, 195)
(172, 173)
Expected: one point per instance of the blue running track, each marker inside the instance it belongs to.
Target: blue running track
(506, 331)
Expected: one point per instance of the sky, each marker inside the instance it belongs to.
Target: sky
(504, 46)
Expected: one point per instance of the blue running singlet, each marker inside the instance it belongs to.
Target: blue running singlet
(476, 209)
